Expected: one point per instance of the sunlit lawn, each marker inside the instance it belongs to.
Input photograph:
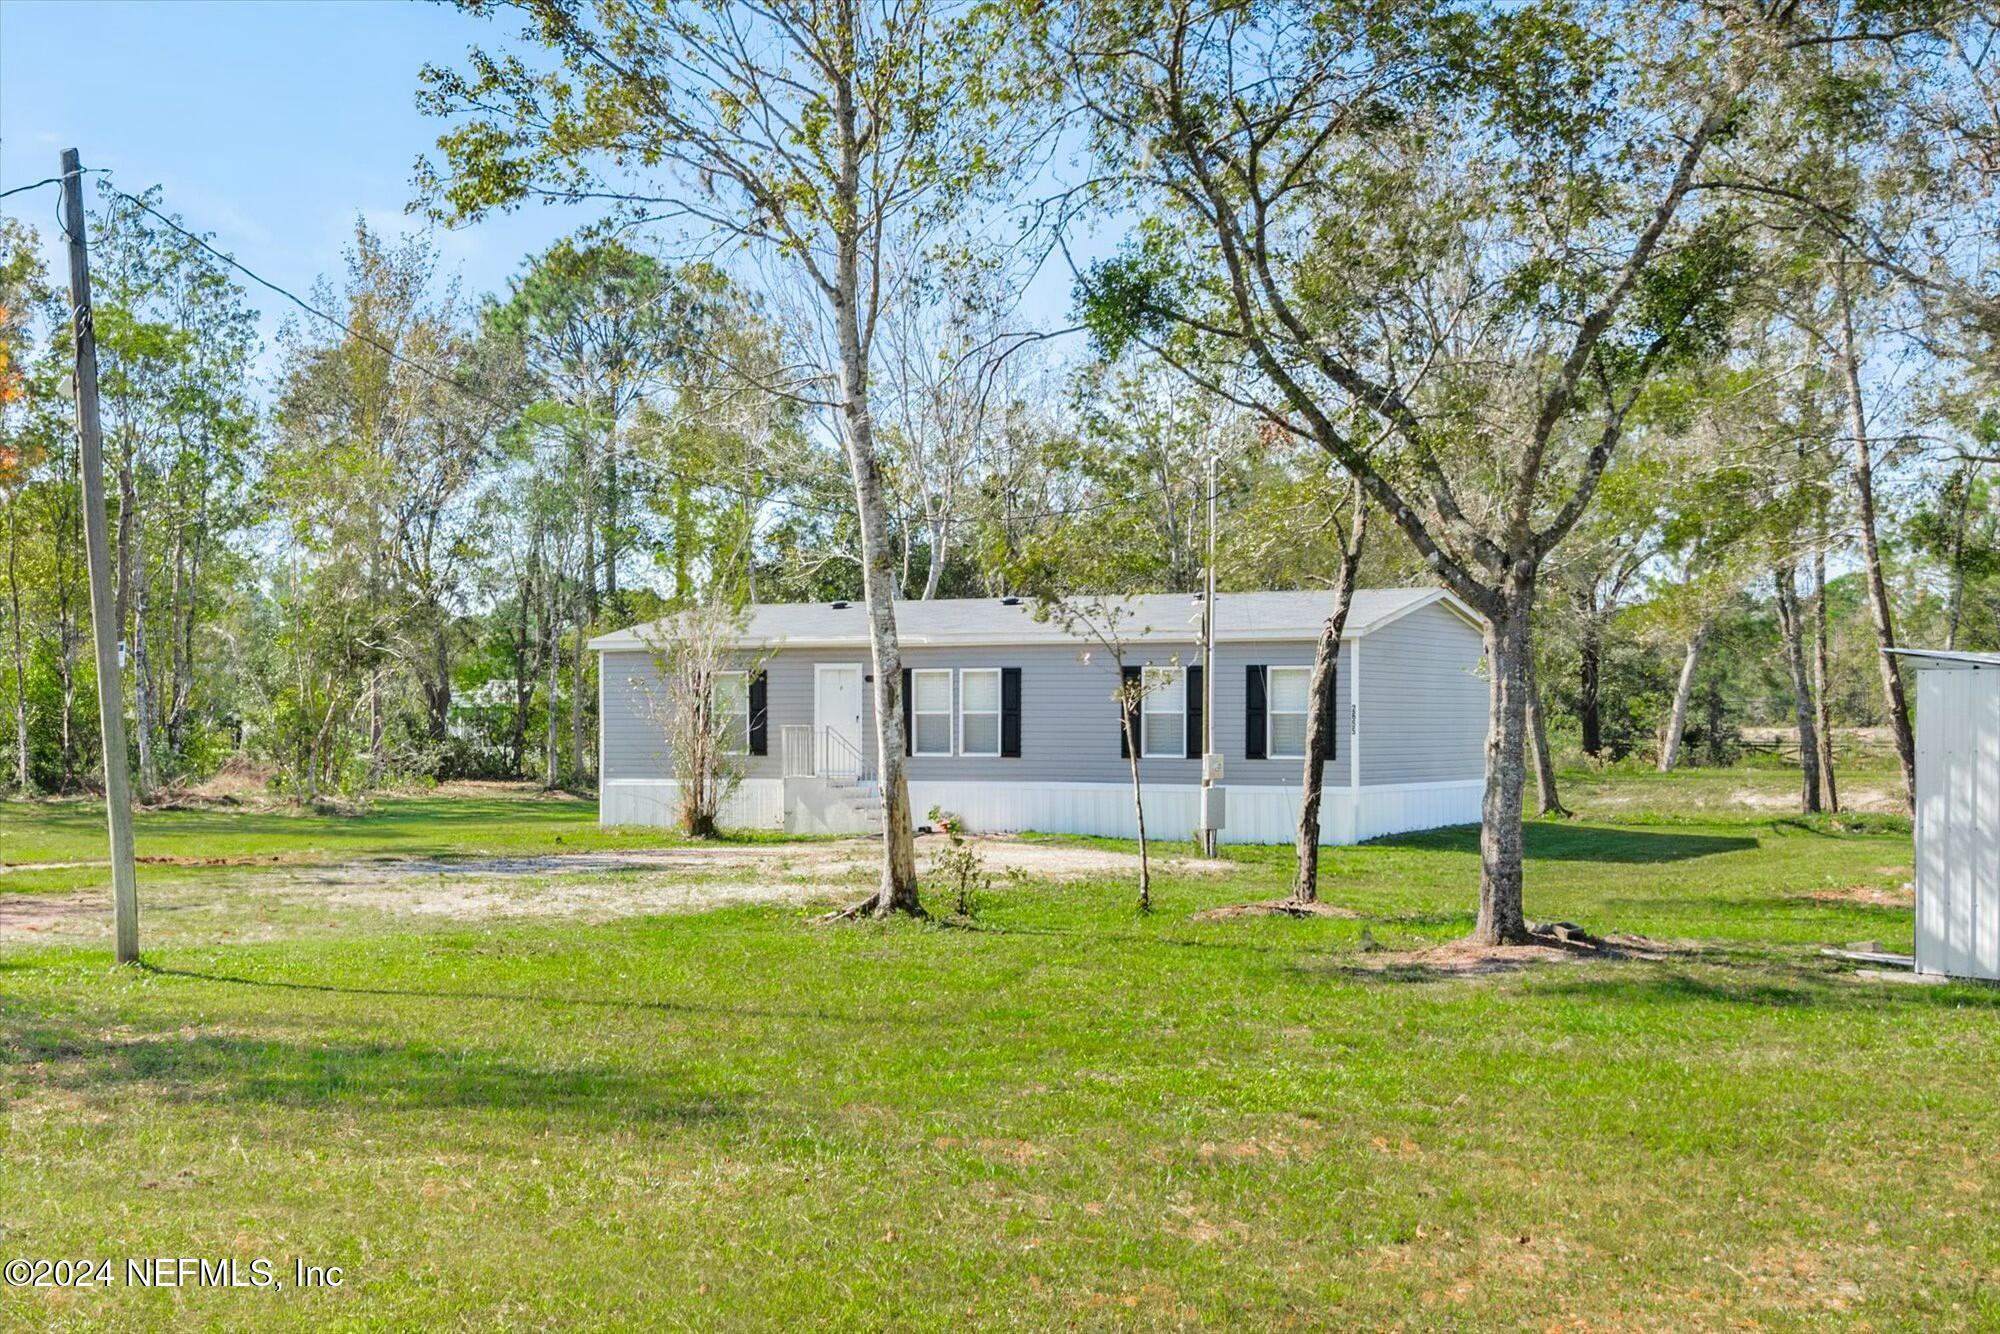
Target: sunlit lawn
(38, 837)
(1062, 1114)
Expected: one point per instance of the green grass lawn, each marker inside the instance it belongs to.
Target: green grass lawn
(1062, 1114)
(55, 831)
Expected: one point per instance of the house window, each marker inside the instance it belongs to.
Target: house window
(1290, 688)
(930, 712)
(1165, 722)
(979, 711)
(732, 711)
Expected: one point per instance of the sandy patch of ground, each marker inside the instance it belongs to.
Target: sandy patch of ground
(596, 886)
(27, 916)
(1868, 799)
(592, 886)
(834, 859)
(1872, 896)
(240, 784)
(487, 789)
(588, 901)
(1230, 912)
(1466, 958)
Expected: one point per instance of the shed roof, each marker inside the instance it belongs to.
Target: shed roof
(1151, 617)
(1948, 658)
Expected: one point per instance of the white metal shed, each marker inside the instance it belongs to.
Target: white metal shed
(1958, 812)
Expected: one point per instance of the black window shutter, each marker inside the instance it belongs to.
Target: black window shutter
(1194, 703)
(1253, 713)
(909, 742)
(760, 725)
(1010, 712)
(1128, 719)
(1332, 712)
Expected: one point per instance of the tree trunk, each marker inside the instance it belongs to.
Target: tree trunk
(1712, 728)
(1320, 721)
(610, 507)
(142, 679)
(524, 667)
(171, 695)
(587, 471)
(551, 749)
(1791, 625)
(1822, 709)
(1501, 846)
(1548, 799)
(1590, 672)
(129, 610)
(1878, 590)
(20, 656)
(577, 771)
(749, 540)
(121, 598)
(67, 642)
(1138, 801)
(378, 758)
(1955, 602)
(1670, 745)
(898, 892)
(437, 695)
(684, 541)
(936, 571)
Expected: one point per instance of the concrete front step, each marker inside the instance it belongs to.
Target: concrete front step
(864, 799)
(830, 806)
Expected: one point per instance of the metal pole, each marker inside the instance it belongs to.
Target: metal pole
(103, 621)
(1208, 667)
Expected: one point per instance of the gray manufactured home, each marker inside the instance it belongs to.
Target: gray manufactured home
(1013, 723)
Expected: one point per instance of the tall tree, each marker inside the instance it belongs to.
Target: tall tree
(603, 328)
(176, 338)
(1879, 606)
(828, 137)
(1472, 230)
(1792, 628)
(1320, 718)
(23, 287)
(382, 426)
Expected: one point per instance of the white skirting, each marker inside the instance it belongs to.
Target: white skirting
(1262, 814)
(1265, 814)
(757, 803)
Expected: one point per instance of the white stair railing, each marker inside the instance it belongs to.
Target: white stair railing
(800, 752)
(841, 761)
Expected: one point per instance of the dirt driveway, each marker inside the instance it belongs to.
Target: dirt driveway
(593, 886)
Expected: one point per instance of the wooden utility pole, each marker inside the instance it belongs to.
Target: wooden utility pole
(103, 623)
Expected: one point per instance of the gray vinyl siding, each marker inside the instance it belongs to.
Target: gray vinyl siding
(1423, 700)
(1069, 720)
(633, 740)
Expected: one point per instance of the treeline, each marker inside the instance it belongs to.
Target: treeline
(373, 551)
(369, 555)
(1663, 337)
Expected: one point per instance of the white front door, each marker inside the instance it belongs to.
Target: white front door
(837, 716)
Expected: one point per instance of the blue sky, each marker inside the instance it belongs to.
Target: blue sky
(270, 123)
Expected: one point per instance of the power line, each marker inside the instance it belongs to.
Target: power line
(23, 189)
(302, 303)
(454, 383)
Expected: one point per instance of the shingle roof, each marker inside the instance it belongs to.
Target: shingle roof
(1938, 657)
(1168, 617)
